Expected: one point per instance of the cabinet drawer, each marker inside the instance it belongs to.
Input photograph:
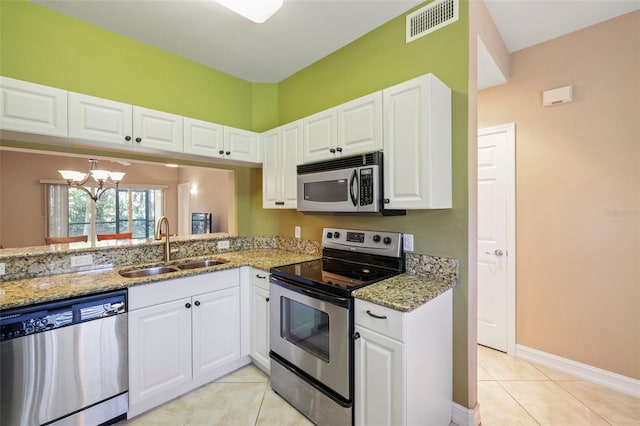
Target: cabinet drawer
(390, 322)
(260, 278)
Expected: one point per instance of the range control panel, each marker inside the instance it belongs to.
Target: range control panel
(373, 242)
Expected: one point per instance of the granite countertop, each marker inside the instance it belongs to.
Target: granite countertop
(30, 291)
(404, 292)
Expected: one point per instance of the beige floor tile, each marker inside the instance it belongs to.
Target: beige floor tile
(277, 411)
(497, 408)
(615, 407)
(504, 367)
(549, 404)
(483, 374)
(246, 374)
(226, 404)
(553, 374)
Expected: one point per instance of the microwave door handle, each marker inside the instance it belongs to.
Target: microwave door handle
(354, 195)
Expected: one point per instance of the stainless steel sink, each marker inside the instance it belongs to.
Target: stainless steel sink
(146, 272)
(201, 263)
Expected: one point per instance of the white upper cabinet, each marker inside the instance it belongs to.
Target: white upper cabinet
(320, 136)
(157, 129)
(360, 125)
(100, 120)
(32, 108)
(354, 127)
(417, 144)
(282, 148)
(241, 145)
(203, 137)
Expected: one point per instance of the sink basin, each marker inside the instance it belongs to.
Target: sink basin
(146, 272)
(201, 263)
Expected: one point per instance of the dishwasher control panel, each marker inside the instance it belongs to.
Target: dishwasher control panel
(23, 321)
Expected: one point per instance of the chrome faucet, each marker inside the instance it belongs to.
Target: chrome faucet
(158, 236)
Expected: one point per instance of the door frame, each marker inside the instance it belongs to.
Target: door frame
(510, 130)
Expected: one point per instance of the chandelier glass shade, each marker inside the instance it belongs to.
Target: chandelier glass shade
(104, 178)
(257, 11)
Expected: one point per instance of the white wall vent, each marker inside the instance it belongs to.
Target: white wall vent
(433, 16)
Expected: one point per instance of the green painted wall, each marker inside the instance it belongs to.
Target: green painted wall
(378, 60)
(39, 45)
(46, 47)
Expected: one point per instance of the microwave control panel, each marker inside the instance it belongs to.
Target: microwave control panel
(366, 186)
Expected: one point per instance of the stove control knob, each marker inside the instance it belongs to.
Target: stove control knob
(376, 238)
(387, 240)
(329, 234)
(336, 235)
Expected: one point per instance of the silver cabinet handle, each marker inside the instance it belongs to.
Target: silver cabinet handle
(496, 252)
(376, 316)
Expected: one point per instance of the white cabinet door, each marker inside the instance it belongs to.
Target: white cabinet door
(271, 169)
(241, 145)
(32, 108)
(282, 149)
(203, 137)
(320, 136)
(157, 129)
(417, 144)
(100, 120)
(379, 379)
(162, 329)
(260, 319)
(216, 329)
(291, 141)
(360, 125)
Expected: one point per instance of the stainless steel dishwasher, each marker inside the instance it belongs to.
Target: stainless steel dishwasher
(64, 362)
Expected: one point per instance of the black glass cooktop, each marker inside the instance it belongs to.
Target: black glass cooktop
(334, 276)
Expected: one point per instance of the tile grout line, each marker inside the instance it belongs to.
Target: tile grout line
(264, 393)
(518, 402)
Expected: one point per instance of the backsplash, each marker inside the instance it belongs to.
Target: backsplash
(51, 260)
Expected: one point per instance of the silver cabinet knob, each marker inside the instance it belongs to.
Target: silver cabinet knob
(496, 252)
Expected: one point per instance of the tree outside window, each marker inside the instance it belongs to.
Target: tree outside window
(72, 211)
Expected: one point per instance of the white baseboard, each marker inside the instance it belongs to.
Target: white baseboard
(463, 416)
(585, 372)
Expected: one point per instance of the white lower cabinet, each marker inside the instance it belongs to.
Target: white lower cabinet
(259, 347)
(403, 364)
(183, 333)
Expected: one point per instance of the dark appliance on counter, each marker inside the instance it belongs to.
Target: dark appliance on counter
(200, 223)
(311, 317)
(65, 362)
(346, 186)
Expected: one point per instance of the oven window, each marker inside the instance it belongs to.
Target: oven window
(333, 191)
(305, 327)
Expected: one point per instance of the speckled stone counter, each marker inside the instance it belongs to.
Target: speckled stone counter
(53, 287)
(426, 278)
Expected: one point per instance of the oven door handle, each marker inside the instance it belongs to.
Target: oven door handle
(316, 294)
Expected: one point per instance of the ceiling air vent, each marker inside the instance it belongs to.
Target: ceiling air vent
(432, 17)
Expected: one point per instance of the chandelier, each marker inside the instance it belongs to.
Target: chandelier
(102, 178)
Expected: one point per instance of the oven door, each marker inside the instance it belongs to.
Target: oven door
(310, 330)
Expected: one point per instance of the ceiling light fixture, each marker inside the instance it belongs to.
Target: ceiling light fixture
(257, 11)
(102, 178)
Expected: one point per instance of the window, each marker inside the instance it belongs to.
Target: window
(72, 212)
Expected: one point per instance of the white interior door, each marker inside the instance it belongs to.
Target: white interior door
(496, 237)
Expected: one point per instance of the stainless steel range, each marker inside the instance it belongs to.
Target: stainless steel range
(311, 316)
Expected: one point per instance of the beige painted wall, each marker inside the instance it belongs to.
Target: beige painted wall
(578, 189)
(22, 208)
(215, 194)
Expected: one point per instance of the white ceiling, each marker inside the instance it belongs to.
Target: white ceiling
(304, 31)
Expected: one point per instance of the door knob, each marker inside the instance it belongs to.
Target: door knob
(496, 252)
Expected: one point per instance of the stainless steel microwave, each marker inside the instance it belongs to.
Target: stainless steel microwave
(347, 185)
